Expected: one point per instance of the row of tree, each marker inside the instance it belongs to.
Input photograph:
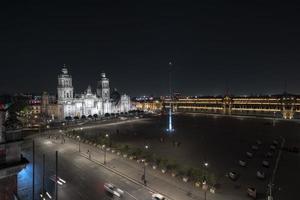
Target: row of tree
(95, 116)
(199, 174)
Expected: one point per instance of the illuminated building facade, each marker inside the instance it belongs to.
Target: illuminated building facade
(89, 103)
(285, 106)
(148, 104)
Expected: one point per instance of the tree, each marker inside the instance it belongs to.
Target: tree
(95, 116)
(83, 117)
(106, 115)
(68, 118)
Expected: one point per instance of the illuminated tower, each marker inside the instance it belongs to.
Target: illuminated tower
(65, 87)
(103, 89)
(170, 122)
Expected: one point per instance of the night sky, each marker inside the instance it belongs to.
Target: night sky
(250, 48)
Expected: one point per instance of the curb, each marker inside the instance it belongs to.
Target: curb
(125, 176)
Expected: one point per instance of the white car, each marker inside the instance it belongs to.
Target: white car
(110, 188)
(157, 196)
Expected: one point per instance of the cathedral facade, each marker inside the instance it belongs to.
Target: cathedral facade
(89, 103)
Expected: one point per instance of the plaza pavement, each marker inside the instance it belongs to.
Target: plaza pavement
(173, 188)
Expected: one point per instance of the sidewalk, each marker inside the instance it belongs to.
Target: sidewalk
(173, 188)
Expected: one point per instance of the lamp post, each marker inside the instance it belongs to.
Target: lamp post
(78, 137)
(205, 187)
(107, 136)
(48, 126)
(144, 176)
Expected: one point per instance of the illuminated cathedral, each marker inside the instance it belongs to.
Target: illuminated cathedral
(89, 103)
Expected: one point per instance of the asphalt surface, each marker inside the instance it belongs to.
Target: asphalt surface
(84, 179)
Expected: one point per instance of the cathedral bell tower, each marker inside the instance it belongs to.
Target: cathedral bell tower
(103, 89)
(65, 87)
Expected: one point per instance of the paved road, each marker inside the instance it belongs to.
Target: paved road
(84, 178)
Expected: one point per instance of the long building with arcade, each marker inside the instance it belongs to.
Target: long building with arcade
(285, 106)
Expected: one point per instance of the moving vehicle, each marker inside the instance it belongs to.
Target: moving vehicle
(157, 196)
(113, 190)
(251, 192)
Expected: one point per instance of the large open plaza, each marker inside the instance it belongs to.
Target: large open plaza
(220, 141)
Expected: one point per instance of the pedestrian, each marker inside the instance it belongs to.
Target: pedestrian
(89, 153)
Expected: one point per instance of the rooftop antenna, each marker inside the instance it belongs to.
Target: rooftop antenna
(170, 123)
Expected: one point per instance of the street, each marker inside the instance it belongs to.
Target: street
(84, 179)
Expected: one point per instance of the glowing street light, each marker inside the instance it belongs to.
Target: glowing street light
(107, 136)
(78, 137)
(144, 176)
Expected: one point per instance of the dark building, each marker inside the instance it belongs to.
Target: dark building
(11, 160)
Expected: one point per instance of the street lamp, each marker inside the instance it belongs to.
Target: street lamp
(78, 137)
(144, 176)
(205, 187)
(107, 136)
(48, 126)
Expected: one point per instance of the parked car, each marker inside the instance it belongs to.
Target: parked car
(269, 154)
(273, 147)
(113, 190)
(249, 154)
(260, 174)
(233, 175)
(254, 147)
(275, 142)
(157, 196)
(258, 142)
(251, 192)
(265, 163)
(242, 163)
